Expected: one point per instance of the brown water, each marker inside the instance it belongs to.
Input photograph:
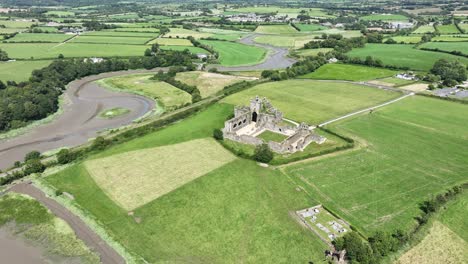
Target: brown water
(15, 250)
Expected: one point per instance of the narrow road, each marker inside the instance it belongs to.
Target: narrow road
(276, 58)
(80, 119)
(107, 254)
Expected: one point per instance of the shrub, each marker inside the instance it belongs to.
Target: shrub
(99, 143)
(32, 155)
(33, 166)
(263, 153)
(64, 156)
(218, 134)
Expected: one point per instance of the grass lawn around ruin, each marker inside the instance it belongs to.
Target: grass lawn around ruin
(338, 71)
(268, 136)
(314, 101)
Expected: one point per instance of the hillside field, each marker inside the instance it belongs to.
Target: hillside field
(385, 17)
(424, 29)
(447, 46)
(314, 101)
(403, 56)
(447, 29)
(20, 71)
(348, 72)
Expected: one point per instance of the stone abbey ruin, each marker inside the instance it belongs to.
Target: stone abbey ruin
(249, 122)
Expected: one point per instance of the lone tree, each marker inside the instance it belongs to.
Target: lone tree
(263, 153)
(33, 166)
(451, 72)
(64, 156)
(3, 55)
(218, 134)
(32, 155)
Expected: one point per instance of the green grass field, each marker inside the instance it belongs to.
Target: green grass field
(48, 29)
(185, 33)
(403, 56)
(209, 83)
(194, 50)
(310, 27)
(137, 29)
(450, 38)
(447, 29)
(231, 53)
(290, 41)
(53, 50)
(109, 33)
(454, 217)
(447, 46)
(110, 40)
(413, 149)
(16, 24)
(424, 29)
(60, 13)
(20, 71)
(227, 215)
(314, 101)
(384, 17)
(271, 136)
(29, 220)
(275, 29)
(165, 94)
(348, 72)
(225, 34)
(39, 37)
(407, 39)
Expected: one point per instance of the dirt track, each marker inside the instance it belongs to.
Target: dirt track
(79, 120)
(107, 254)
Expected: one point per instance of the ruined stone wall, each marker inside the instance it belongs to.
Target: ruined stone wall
(237, 123)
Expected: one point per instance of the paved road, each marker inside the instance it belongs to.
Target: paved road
(80, 119)
(277, 57)
(107, 254)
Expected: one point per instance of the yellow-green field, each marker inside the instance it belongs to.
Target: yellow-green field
(185, 33)
(442, 245)
(166, 94)
(135, 178)
(275, 29)
(171, 42)
(209, 83)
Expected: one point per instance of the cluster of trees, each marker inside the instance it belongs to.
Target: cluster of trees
(169, 78)
(381, 244)
(307, 65)
(97, 26)
(450, 72)
(337, 42)
(3, 55)
(37, 98)
(198, 44)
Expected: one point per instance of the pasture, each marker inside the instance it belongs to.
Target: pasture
(185, 33)
(447, 29)
(412, 149)
(224, 33)
(209, 83)
(109, 33)
(70, 50)
(194, 50)
(447, 46)
(165, 94)
(137, 29)
(424, 29)
(110, 40)
(232, 53)
(403, 56)
(384, 17)
(291, 41)
(454, 217)
(309, 27)
(16, 23)
(314, 101)
(275, 29)
(124, 177)
(337, 71)
(234, 199)
(20, 71)
(39, 37)
(171, 42)
(407, 39)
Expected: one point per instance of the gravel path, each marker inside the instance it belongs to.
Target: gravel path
(277, 57)
(79, 121)
(107, 254)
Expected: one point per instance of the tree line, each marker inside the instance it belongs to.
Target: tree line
(169, 78)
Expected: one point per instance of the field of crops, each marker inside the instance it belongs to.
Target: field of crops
(39, 37)
(275, 29)
(20, 71)
(314, 101)
(447, 46)
(231, 53)
(349, 72)
(414, 148)
(447, 29)
(403, 56)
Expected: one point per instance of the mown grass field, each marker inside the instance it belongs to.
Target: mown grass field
(414, 148)
(337, 71)
(310, 27)
(165, 94)
(109, 33)
(209, 83)
(231, 53)
(424, 29)
(447, 29)
(39, 37)
(125, 177)
(27, 218)
(291, 41)
(275, 29)
(53, 50)
(171, 42)
(20, 71)
(110, 40)
(314, 101)
(407, 39)
(384, 17)
(185, 33)
(271, 136)
(403, 56)
(227, 215)
(447, 46)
